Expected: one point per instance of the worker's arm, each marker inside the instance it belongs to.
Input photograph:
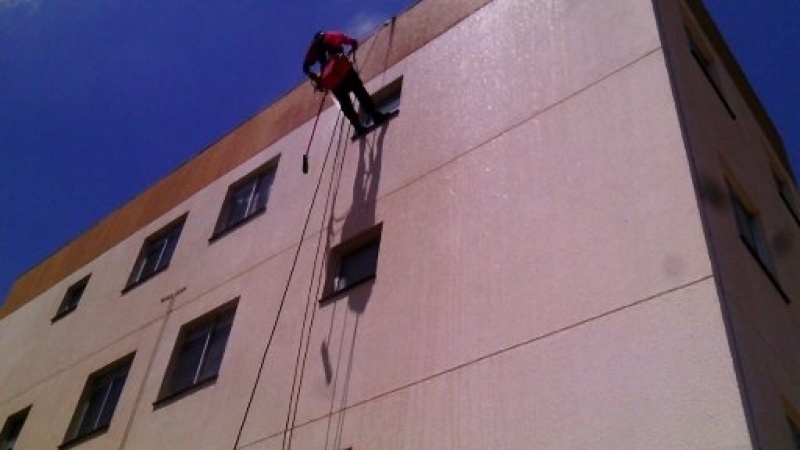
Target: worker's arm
(334, 39)
(310, 60)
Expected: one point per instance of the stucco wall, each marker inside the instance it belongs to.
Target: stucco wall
(741, 152)
(543, 279)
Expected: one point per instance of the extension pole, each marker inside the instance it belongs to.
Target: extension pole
(311, 139)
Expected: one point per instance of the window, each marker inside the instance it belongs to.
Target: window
(785, 191)
(386, 99)
(709, 67)
(198, 352)
(12, 429)
(71, 299)
(751, 232)
(156, 253)
(355, 261)
(755, 239)
(98, 401)
(246, 199)
(795, 433)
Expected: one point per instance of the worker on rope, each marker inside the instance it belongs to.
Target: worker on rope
(338, 75)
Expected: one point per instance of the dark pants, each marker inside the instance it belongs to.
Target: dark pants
(352, 83)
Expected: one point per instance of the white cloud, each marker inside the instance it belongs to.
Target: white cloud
(362, 25)
(30, 5)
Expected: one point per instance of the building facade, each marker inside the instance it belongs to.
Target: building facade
(581, 231)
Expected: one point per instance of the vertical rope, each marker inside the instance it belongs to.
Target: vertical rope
(283, 298)
(297, 380)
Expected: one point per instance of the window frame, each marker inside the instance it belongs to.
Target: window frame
(390, 94)
(13, 424)
(708, 64)
(793, 421)
(785, 192)
(210, 323)
(351, 247)
(794, 428)
(72, 297)
(753, 234)
(751, 230)
(102, 381)
(170, 235)
(226, 223)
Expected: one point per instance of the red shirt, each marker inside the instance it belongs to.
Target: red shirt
(329, 53)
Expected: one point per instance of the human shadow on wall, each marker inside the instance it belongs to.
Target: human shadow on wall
(361, 216)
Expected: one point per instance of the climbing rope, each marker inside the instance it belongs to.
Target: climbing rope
(311, 305)
(310, 311)
(285, 291)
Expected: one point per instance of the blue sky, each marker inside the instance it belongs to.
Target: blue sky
(99, 99)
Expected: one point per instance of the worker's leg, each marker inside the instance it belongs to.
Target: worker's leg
(364, 99)
(342, 95)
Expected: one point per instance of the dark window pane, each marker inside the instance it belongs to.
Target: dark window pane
(72, 297)
(216, 349)
(202, 346)
(169, 249)
(751, 232)
(152, 257)
(99, 400)
(156, 254)
(262, 194)
(240, 202)
(358, 265)
(188, 360)
(246, 199)
(12, 429)
(92, 410)
(113, 392)
(390, 104)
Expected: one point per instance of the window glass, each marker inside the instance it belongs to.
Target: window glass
(785, 191)
(387, 99)
(358, 265)
(242, 202)
(12, 429)
(71, 299)
(751, 231)
(198, 355)
(710, 68)
(156, 253)
(99, 400)
(246, 198)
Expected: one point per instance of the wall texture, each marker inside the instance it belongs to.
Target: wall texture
(549, 271)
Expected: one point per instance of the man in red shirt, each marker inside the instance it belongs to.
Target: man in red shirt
(338, 75)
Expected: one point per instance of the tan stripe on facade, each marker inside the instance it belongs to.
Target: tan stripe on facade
(416, 27)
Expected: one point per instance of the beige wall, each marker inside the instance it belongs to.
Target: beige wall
(405, 35)
(744, 153)
(543, 282)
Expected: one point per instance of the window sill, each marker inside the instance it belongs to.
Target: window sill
(768, 272)
(222, 232)
(170, 398)
(144, 280)
(330, 298)
(83, 438)
(61, 314)
(791, 209)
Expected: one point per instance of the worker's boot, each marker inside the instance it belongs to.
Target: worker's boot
(359, 129)
(379, 117)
